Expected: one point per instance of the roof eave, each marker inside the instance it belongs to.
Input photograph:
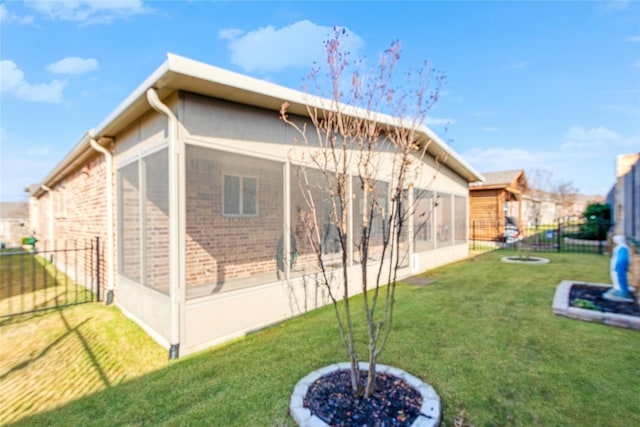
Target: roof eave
(178, 73)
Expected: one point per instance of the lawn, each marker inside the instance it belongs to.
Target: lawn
(483, 334)
(30, 282)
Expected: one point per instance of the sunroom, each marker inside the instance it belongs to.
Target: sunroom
(210, 240)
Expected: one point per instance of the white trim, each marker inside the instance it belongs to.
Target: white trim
(231, 146)
(240, 213)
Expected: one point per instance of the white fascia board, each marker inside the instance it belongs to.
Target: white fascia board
(236, 81)
(177, 69)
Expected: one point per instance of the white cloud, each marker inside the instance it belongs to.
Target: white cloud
(483, 113)
(612, 6)
(633, 39)
(229, 33)
(89, 12)
(12, 81)
(433, 121)
(73, 65)
(580, 138)
(10, 17)
(4, 13)
(38, 151)
(637, 64)
(498, 158)
(269, 49)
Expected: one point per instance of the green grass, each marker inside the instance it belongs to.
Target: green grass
(30, 282)
(483, 335)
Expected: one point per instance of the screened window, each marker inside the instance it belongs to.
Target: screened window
(443, 219)
(240, 196)
(143, 221)
(460, 219)
(129, 222)
(423, 219)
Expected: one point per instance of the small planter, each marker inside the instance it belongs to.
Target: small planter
(430, 411)
(532, 260)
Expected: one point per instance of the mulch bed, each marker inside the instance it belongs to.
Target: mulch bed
(594, 295)
(395, 402)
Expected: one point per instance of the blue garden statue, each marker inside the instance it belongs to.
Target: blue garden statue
(621, 291)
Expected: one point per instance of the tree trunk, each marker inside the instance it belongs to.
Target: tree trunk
(371, 376)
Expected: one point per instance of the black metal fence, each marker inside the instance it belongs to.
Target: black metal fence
(568, 234)
(45, 277)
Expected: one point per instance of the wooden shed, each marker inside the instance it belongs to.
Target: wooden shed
(495, 202)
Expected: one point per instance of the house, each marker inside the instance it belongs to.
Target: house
(190, 184)
(14, 223)
(494, 202)
(626, 196)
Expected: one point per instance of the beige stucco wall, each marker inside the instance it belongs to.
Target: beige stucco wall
(218, 317)
(222, 317)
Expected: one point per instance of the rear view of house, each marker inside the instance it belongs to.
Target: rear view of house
(191, 183)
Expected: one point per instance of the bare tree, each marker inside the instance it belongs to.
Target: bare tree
(543, 186)
(357, 156)
(565, 193)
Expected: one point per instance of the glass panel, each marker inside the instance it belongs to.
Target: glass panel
(156, 220)
(444, 233)
(249, 196)
(224, 253)
(460, 222)
(423, 220)
(311, 204)
(231, 195)
(129, 222)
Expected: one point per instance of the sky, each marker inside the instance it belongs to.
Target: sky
(552, 86)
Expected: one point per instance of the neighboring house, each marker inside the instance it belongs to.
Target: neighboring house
(545, 208)
(14, 223)
(190, 183)
(491, 201)
(626, 196)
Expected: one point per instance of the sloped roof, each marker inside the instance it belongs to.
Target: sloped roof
(512, 181)
(499, 178)
(14, 210)
(178, 73)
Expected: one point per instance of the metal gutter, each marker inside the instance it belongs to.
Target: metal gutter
(175, 238)
(108, 159)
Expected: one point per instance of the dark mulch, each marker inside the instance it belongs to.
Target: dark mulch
(594, 295)
(395, 403)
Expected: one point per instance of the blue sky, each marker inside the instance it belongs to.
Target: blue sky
(531, 85)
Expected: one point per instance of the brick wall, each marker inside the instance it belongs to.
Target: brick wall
(79, 216)
(220, 248)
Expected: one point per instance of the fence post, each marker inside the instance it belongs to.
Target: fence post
(600, 235)
(473, 234)
(559, 239)
(98, 268)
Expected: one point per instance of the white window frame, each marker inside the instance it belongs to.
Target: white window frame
(241, 213)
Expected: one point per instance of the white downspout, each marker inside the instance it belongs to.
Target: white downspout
(108, 159)
(50, 216)
(174, 223)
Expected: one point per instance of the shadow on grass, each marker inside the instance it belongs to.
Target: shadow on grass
(26, 363)
(211, 388)
(68, 362)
